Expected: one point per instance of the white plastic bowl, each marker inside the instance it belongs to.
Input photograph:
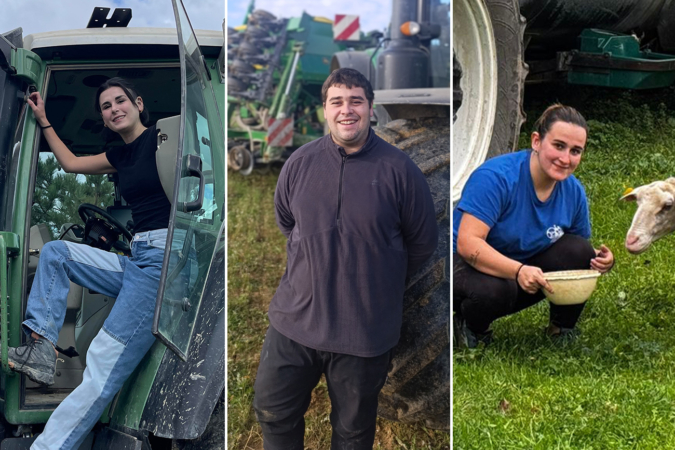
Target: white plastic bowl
(571, 287)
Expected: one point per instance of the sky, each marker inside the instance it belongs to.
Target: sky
(373, 14)
(36, 16)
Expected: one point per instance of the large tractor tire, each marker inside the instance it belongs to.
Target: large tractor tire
(488, 50)
(457, 94)
(247, 48)
(240, 67)
(254, 32)
(233, 37)
(234, 84)
(508, 26)
(418, 386)
(261, 16)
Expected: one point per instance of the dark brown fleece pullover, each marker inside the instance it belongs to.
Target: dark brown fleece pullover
(356, 225)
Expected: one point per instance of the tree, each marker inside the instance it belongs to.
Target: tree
(58, 195)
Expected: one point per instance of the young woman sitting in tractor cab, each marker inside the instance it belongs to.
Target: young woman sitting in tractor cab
(126, 334)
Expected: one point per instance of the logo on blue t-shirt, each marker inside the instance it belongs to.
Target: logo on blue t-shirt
(554, 233)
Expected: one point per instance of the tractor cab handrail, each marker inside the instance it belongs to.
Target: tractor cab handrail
(9, 247)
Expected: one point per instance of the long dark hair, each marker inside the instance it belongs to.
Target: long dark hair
(130, 92)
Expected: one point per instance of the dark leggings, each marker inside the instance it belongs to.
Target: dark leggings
(482, 298)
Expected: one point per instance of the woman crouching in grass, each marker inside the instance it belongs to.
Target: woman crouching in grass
(520, 215)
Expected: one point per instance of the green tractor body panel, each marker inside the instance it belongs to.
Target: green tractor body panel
(130, 403)
(12, 393)
(28, 65)
(316, 35)
(38, 66)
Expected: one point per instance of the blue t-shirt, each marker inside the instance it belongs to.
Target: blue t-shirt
(501, 194)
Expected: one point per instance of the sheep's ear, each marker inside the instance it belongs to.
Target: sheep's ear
(671, 180)
(669, 199)
(630, 194)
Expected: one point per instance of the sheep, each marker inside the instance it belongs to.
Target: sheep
(655, 215)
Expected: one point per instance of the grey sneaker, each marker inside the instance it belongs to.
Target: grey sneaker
(36, 358)
(561, 335)
(463, 337)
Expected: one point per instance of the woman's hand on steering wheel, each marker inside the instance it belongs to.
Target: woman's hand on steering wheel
(531, 279)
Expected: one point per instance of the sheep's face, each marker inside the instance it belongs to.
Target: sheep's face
(655, 215)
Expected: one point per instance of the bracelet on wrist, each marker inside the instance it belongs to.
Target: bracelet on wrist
(45, 127)
(518, 272)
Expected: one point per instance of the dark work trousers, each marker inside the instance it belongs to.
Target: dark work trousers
(287, 374)
(482, 298)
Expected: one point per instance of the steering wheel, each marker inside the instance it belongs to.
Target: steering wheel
(88, 213)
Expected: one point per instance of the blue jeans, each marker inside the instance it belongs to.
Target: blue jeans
(126, 334)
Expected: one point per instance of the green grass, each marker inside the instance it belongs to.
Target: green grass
(613, 388)
(256, 261)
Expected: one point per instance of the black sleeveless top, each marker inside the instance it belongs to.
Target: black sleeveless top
(139, 181)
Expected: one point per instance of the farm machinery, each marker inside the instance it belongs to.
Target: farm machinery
(276, 69)
(500, 46)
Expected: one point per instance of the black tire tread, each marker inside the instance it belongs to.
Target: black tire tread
(418, 385)
(260, 15)
(509, 30)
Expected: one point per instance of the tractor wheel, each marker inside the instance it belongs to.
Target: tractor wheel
(260, 15)
(233, 36)
(235, 85)
(509, 31)
(247, 48)
(457, 95)
(254, 32)
(418, 385)
(241, 159)
(239, 66)
(261, 44)
(488, 56)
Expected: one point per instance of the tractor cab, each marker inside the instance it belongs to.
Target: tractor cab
(179, 74)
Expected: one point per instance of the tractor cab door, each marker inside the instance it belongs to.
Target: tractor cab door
(18, 69)
(10, 90)
(11, 109)
(198, 195)
(21, 72)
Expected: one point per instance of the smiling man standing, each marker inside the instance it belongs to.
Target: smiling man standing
(359, 217)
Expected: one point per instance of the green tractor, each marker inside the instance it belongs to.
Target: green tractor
(177, 390)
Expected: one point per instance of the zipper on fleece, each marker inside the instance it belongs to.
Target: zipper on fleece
(342, 172)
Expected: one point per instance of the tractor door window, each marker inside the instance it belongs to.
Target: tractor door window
(195, 231)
